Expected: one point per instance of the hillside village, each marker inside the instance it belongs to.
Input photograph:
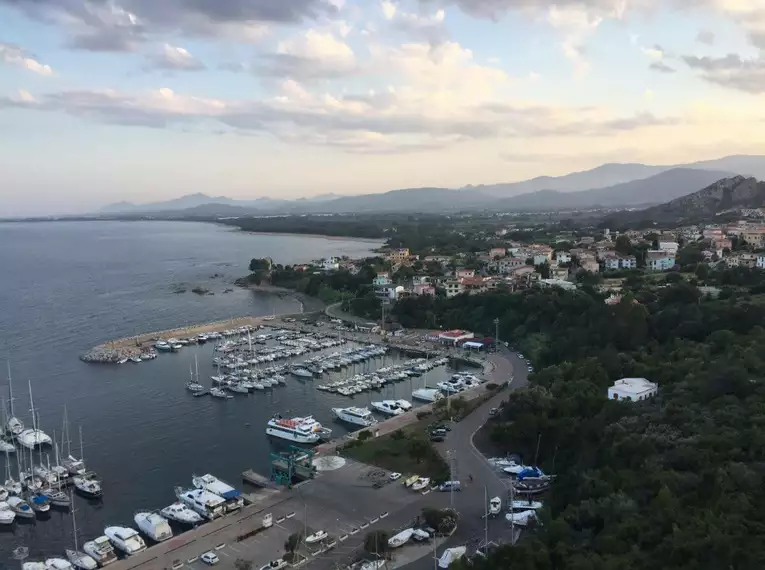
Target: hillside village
(604, 258)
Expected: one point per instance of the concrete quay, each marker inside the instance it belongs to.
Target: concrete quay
(342, 502)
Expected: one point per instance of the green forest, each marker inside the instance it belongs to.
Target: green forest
(672, 483)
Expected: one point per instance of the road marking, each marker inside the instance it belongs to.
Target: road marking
(226, 554)
(234, 549)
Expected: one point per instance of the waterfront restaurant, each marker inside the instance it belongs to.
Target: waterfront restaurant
(455, 337)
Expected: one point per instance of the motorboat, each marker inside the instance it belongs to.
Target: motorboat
(299, 430)
(427, 395)
(125, 539)
(39, 502)
(401, 538)
(7, 516)
(13, 487)
(73, 465)
(318, 536)
(217, 392)
(356, 416)
(88, 486)
(58, 564)
(237, 388)
(388, 407)
(180, 513)
(404, 405)
(301, 372)
(162, 346)
(451, 387)
(34, 566)
(521, 518)
(451, 555)
(81, 560)
(521, 505)
(3, 494)
(6, 446)
(420, 484)
(57, 497)
(233, 497)
(100, 550)
(47, 476)
(153, 525)
(21, 508)
(495, 506)
(409, 481)
(207, 504)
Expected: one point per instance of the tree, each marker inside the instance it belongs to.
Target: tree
(242, 564)
(376, 542)
(624, 245)
(292, 542)
(418, 448)
(263, 264)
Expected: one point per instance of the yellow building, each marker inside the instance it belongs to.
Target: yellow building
(400, 255)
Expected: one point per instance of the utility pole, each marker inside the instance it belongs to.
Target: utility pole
(496, 334)
(452, 455)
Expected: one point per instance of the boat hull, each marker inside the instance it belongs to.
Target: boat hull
(313, 438)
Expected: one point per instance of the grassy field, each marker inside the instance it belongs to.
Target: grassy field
(406, 451)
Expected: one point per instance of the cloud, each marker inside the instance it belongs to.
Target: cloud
(312, 54)
(425, 26)
(576, 24)
(119, 25)
(731, 71)
(662, 67)
(174, 58)
(706, 37)
(11, 54)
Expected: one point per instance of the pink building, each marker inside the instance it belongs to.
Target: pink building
(423, 289)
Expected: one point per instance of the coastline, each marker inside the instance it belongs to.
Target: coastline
(309, 304)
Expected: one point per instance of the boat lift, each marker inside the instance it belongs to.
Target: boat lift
(293, 465)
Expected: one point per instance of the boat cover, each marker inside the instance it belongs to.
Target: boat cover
(232, 494)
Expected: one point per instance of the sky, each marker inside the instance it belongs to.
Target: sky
(146, 100)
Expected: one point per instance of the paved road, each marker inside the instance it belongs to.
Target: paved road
(467, 460)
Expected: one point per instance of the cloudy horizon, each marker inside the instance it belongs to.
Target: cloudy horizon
(137, 100)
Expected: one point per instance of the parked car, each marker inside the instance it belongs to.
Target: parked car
(493, 412)
(277, 564)
(395, 476)
(450, 486)
(210, 558)
(437, 437)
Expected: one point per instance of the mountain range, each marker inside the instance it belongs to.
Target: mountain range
(607, 186)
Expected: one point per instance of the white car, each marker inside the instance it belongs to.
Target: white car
(210, 558)
(318, 536)
(395, 476)
(274, 565)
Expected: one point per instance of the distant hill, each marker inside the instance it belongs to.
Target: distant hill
(725, 194)
(608, 186)
(644, 192)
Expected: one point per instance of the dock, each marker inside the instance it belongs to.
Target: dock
(257, 479)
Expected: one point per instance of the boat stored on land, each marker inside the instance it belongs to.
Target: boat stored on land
(401, 538)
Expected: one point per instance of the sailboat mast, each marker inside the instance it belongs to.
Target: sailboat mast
(82, 450)
(68, 448)
(196, 366)
(32, 409)
(74, 522)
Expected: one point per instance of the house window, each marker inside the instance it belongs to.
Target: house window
(616, 396)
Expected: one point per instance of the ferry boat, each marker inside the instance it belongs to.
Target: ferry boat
(355, 415)
(207, 504)
(299, 430)
(234, 499)
(153, 525)
(125, 539)
(100, 550)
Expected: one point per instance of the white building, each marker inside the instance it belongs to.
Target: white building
(562, 257)
(633, 389)
(760, 261)
(670, 247)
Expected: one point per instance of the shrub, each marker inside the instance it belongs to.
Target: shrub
(492, 386)
(398, 435)
(364, 435)
(376, 542)
(242, 564)
(424, 414)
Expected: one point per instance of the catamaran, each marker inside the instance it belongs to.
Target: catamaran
(356, 416)
(33, 438)
(299, 430)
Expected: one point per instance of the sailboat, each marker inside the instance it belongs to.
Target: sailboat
(193, 385)
(32, 438)
(73, 465)
(11, 485)
(14, 425)
(77, 558)
(5, 446)
(85, 483)
(56, 496)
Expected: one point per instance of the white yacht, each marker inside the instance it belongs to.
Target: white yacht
(180, 513)
(88, 487)
(301, 373)
(101, 550)
(162, 346)
(219, 393)
(153, 525)
(34, 566)
(81, 560)
(427, 395)
(451, 387)
(234, 499)
(405, 405)
(58, 564)
(7, 516)
(6, 446)
(299, 430)
(357, 416)
(125, 539)
(207, 504)
(388, 407)
(73, 465)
